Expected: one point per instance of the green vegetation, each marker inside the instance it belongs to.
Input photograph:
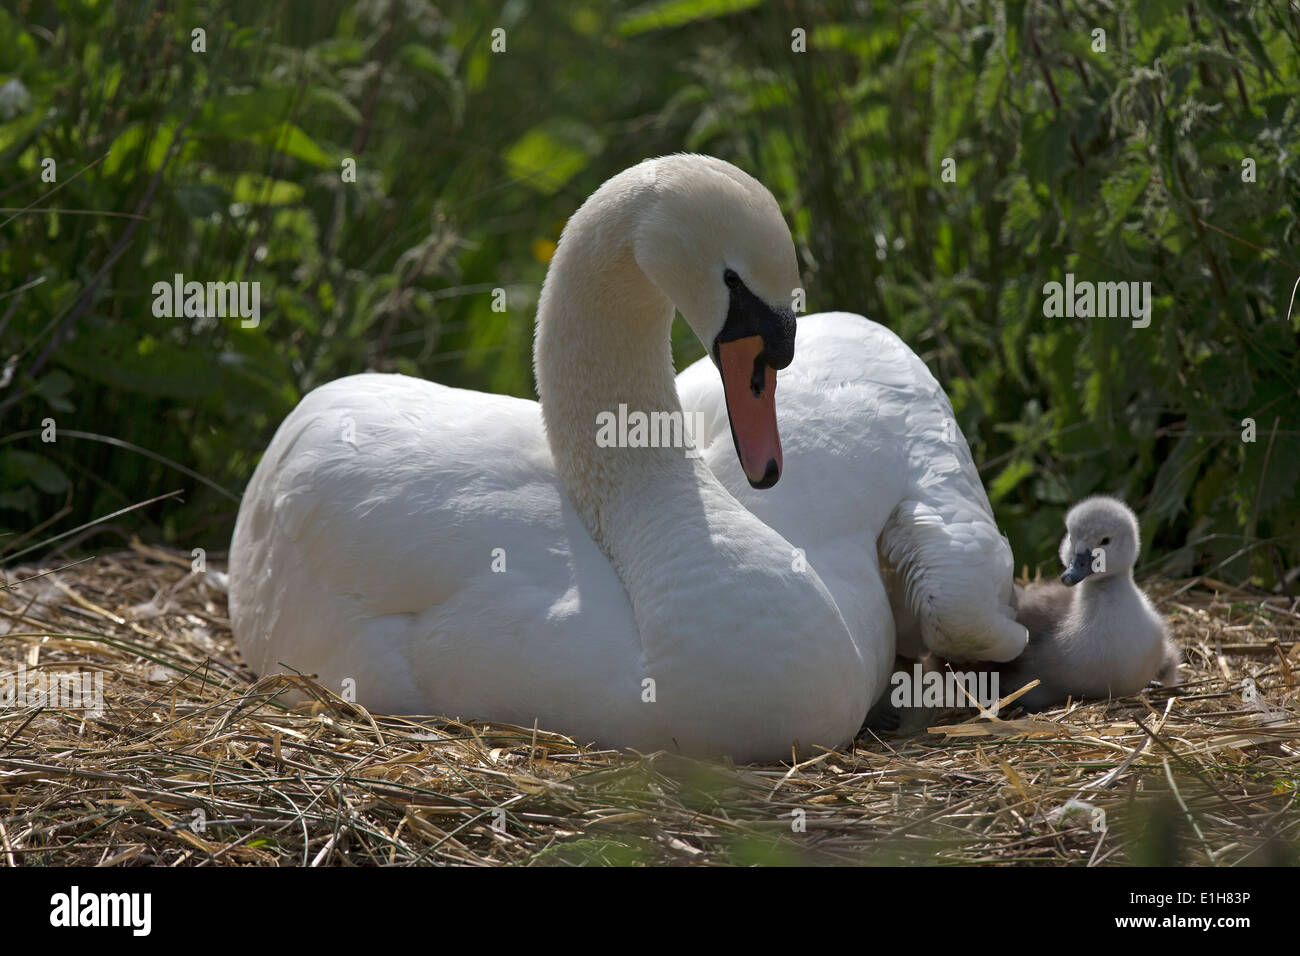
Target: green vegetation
(1122, 165)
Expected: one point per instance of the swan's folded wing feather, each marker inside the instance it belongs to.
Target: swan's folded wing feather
(955, 565)
(872, 448)
(389, 542)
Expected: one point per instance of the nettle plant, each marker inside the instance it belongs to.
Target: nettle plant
(950, 161)
(394, 175)
(347, 164)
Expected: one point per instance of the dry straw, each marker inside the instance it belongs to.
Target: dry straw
(195, 762)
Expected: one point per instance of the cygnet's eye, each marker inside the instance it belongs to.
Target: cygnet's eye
(1105, 541)
(729, 276)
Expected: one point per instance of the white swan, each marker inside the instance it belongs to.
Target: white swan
(876, 459)
(424, 542)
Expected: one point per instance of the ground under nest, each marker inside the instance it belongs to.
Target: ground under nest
(194, 762)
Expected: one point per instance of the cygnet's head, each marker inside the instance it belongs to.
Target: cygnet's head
(715, 243)
(1101, 539)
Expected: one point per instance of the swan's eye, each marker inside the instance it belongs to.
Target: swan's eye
(729, 276)
(1105, 541)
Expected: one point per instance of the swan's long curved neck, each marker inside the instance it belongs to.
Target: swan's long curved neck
(603, 342)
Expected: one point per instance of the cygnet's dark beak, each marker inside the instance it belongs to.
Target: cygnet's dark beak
(1079, 569)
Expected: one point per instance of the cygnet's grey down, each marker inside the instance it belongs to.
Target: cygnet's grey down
(1095, 634)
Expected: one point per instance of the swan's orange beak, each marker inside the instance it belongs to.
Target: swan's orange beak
(749, 385)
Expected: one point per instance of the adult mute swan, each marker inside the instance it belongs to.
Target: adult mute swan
(442, 552)
(882, 490)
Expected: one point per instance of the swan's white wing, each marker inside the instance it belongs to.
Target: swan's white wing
(363, 549)
(873, 451)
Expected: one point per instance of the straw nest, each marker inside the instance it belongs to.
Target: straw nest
(193, 761)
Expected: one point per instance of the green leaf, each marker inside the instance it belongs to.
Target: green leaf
(1121, 190)
(263, 191)
(336, 101)
(160, 144)
(992, 80)
(55, 386)
(1044, 147)
(549, 155)
(17, 46)
(425, 60)
(848, 37)
(127, 142)
(239, 114)
(674, 13)
(257, 117)
(120, 358)
(19, 466)
(17, 131)
(292, 141)
(1016, 472)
